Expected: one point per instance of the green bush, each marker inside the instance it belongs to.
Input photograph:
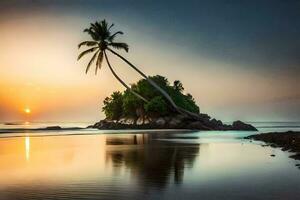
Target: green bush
(130, 104)
(113, 106)
(127, 104)
(156, 106)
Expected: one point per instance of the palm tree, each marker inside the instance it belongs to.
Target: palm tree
(102, 37)
(103, 40)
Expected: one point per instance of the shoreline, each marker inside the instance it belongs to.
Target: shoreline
(176, 122)
(288, 141)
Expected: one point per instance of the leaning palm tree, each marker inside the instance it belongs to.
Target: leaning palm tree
(103, 40)
(102, 37)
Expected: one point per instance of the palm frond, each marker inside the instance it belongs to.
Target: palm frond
(91, 61)
(87, 43)
(94, 26)
(92, 33)
(99, 61)
(97, 28)
(104, 24)
(110, 26)
(112, 37)
(86, 52)
(119, 45)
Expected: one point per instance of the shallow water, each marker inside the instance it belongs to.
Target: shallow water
(144, 165)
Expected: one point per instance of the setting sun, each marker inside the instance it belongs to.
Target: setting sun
(27, 110)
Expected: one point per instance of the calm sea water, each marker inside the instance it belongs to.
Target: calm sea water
(94, 164)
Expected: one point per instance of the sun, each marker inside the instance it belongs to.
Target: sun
(27, 110)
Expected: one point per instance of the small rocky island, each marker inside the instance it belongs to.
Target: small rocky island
(174, 122)
(124, 110)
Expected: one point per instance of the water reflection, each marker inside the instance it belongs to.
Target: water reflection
(142, 166)
(155, 162)
(27, 147)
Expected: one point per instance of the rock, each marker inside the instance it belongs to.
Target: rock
(12, 123)
(139, 121)
(129, 121)
(167, 119)
(226, 127)
(147, 121)
(239, 125)
(53, 128)
(122, 120)
(216, 123)
(272, 155)
(289, 141)
(205, 117)
(160, 121)
(198, 125)
(295, 156)
(181, 117)
(178, 121)
(174, 122)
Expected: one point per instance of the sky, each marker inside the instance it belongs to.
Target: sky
(239, 59)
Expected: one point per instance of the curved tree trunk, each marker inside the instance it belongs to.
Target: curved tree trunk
(121, 81)
(164, 93)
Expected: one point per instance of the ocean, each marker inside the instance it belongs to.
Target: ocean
(143, 164)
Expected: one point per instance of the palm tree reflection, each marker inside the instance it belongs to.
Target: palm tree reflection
(153, 163)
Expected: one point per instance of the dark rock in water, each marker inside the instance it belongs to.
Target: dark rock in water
(272, 155)
(12, 123)
(49, 128)
(197, 125)
(239, 125)
(53, 128)
(216, 123)
(295, 156)
(288, 141)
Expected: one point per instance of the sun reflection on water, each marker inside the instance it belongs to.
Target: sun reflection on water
(27, 147)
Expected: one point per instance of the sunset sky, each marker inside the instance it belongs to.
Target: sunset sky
(239, 59)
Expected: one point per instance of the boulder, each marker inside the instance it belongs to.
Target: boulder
(122, 120)
(198, 125)
(216, 123)
(180, 117)
(239, 125)
(139, 121)
(160, 121)
(53, 128)
(167, 119)
(175, 122)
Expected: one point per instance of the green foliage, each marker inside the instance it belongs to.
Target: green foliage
(186, 102)
(146, 89)
(113, 106)
(130, 104)
(157, 105)
(178, 86)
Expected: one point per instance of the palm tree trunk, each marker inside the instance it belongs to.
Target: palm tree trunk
(164, 93)
(122, 82)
